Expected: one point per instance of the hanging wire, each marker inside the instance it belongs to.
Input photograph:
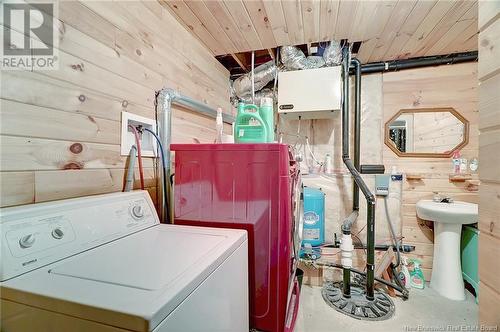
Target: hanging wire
(139, 154)
(165, 175)
(253, 77)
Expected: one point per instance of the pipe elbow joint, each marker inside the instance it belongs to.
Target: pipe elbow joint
(346, 228)
(165, 97)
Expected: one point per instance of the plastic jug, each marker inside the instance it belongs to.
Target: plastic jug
(267, 114)
(244, 130)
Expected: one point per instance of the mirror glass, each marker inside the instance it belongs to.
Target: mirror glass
(426, 132)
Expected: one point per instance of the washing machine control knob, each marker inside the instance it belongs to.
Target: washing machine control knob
(27, 241)
(137, 211)
(57, 233)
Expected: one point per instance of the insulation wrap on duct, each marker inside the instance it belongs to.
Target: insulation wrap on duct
(263, 74)
(294, 59)
(333, 54)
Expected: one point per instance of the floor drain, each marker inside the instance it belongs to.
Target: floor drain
(357, 306)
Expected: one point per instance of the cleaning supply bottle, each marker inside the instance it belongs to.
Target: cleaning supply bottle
(456, 162)
(219, 126)
(266, 111)
(417, 279)
(328, 164)
(404, 274)
(249, 126)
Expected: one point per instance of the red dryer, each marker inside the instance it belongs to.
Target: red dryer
(255, 187)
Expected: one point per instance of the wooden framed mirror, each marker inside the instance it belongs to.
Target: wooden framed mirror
(426, 132)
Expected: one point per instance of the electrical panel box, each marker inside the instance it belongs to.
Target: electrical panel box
(382, 182)
(310, 93)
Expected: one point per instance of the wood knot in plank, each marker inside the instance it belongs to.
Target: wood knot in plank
(79, 66)
(76, 148)
(91, 119)
(73, 165)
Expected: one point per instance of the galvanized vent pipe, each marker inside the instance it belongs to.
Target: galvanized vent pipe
(165, 98)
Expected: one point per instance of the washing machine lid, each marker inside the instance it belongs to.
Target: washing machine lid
(150, 261)
(133, 282)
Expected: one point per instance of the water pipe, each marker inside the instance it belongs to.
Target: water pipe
(129, 179)
(165, 182)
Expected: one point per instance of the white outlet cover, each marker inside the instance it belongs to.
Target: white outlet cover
(148, 142)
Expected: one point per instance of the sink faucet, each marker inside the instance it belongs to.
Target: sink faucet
(441, 199)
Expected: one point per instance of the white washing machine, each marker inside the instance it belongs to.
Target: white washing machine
(105, 263)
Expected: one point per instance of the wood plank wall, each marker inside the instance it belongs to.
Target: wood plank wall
(489, 147)
(444, 86)
(383, 95)
(60, 129)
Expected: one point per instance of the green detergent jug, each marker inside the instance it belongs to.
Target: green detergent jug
(244, 130)
(267, 114)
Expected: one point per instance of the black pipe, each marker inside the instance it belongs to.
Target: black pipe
(346, 280)
(370, 198)
(347, 223)
(357, 129)
(372, 169)
(378, 247)
(395, 65)
(345, 103)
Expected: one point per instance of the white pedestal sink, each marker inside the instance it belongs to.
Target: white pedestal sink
(448, 220)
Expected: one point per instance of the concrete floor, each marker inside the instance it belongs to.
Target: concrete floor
(424, 311)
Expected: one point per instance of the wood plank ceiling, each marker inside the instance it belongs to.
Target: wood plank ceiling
(387, 29)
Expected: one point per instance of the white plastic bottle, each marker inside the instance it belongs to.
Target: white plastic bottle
(328, 164)
(404, 274)
(456, 161)
(219, 126)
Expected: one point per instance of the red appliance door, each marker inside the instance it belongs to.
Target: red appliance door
(242, 189)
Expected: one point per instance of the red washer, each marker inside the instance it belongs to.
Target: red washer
(253, 187)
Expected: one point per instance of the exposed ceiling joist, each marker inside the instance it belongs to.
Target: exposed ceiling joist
(271, 53)
(241, 60)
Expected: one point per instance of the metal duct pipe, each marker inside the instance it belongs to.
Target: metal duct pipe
(164, 118)
(378, 67)
(164, 100)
